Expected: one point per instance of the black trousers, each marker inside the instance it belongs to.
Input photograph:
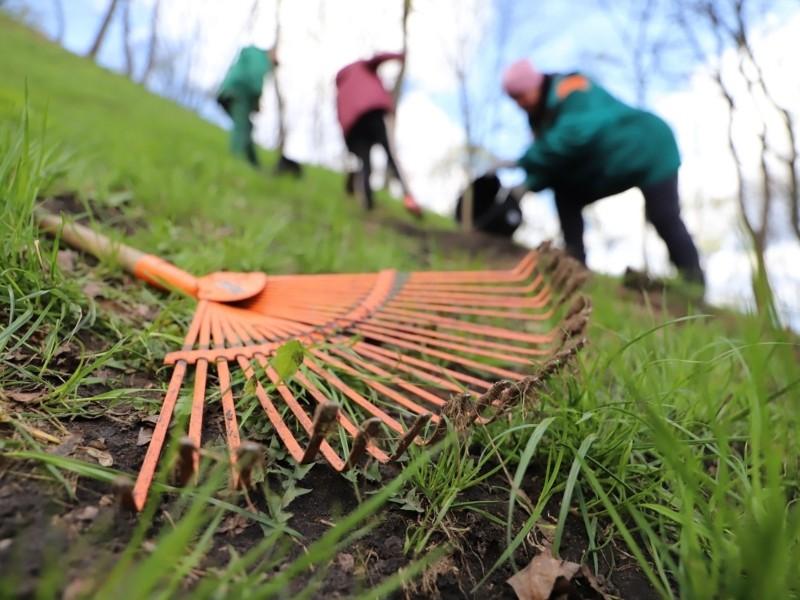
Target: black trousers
(662, 209)
(368, 131)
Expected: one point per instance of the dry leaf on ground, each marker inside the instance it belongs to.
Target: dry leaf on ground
(234, 524)
(87, 513)
(144, 437)
(102, 457)
(547, 577)
(23, 397)
(68, 446)
(538, 580)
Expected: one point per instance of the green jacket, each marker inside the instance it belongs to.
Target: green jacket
(245, 77)
(588, 143)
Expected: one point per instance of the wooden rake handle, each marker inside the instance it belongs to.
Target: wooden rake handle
(147, 267)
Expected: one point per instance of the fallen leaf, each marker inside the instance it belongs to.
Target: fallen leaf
(68, 446)
(88, 513)
(144, 437)
(102, 457)
(150, 419)
(24, 397)
(99, 443)
(234, 524)
(538, 580)
(593, 582)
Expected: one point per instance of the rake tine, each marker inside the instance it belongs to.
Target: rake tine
(574, 284)
(397, 364)
(478, 312)
(272, 412)
(123, 490)
(346, 423)
(460, 339)
(188, 457)
(248, 455)
(299, 413)
(226, 396)
(424, 350)
(431, 341)
(446, 414)
(381, 415)
(369, 430)
(380, 387)
(410, 435)
(581, 304)
(405, 316)
(148, 468)
(324, 420)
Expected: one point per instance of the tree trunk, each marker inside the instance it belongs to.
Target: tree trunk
(152, 45)
(60, 20)
(398, 85)
(467, 222)
(280, 106)
(101, 33)
(126, 38)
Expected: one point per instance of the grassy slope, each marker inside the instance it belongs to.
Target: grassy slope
(204, 209)
(681, 434)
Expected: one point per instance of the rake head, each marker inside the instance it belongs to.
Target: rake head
(387, 358)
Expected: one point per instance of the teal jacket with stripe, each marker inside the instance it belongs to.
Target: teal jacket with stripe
(591, 145)
(245, 77)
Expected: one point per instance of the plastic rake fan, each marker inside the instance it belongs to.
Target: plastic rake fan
(384, 357)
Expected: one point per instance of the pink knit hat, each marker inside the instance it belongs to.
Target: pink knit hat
(520, 77)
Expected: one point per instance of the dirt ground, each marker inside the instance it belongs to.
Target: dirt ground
(38, 522)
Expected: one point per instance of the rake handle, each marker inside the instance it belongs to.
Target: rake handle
(147, 267)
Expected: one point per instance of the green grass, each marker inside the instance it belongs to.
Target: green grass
(674, 439)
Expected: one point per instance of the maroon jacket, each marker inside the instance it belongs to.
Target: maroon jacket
(359, 90)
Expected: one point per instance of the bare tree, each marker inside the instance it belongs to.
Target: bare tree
(58, 8)
(729, 24)
(391, 117)
(398, 83)
(280, 106)
(152, 44)
(632, 22)
(101, 33)
(477, 101)
(126, 38)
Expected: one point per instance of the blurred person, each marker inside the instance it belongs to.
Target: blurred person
(588, 145)
(240, 94)
(362, 104)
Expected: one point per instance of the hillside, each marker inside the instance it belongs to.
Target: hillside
(665, 458)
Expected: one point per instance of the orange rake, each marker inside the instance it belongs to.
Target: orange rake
(384, 354)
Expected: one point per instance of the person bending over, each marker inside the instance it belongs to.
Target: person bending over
(588, 145)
